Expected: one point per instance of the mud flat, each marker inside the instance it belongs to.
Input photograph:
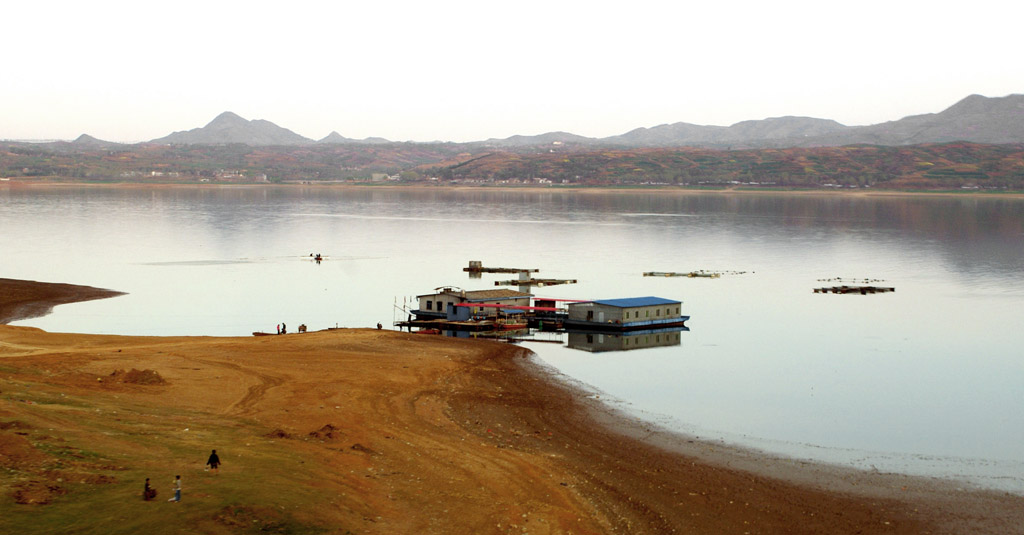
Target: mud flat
(367, 431)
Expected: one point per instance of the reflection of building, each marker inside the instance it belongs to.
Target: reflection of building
(435, 305)
(625, 314)
(597, 342)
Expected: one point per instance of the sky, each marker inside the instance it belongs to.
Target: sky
(132, 71)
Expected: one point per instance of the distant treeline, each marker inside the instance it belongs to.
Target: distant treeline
(932, 166)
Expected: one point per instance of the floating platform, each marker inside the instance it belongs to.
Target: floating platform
(475, 266)
(445, 325)
(535, 282)
(470, 325)
(610, 326)
(690, 274)
(862, 290)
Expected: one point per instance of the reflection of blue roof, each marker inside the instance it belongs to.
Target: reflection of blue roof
(630, 302)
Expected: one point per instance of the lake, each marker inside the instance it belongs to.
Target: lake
(928, 379)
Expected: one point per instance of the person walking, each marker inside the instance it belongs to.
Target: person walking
(177, 490)
(214, 461)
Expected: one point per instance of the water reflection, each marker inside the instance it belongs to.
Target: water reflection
(599, 342)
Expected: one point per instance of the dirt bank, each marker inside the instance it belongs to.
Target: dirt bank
(29, 299)
(367, 431)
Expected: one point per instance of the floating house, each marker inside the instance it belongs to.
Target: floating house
(631, 313)
(441, 303)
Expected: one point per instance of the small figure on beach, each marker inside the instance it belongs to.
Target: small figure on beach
(148, 492)
(177, 490)
(302, 328)
(379, 326)
(284, 329)
(214, 461)
(278, 328)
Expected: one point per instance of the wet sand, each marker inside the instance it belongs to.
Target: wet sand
(424, 434)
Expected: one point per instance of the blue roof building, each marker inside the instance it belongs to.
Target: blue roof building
(626, 314)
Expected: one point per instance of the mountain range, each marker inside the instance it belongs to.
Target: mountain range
(976, 119)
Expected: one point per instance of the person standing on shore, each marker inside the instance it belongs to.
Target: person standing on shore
(148, 492)
(177, 490)
(214, 461)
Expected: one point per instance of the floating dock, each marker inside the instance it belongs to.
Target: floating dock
(476, 266)
(446, 325)
(691, 274)
(862, 290)
(488, 325)
(535, 282)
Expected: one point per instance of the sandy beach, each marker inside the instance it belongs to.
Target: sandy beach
(376, 431)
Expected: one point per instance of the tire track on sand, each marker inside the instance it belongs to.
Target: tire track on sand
(255, 393)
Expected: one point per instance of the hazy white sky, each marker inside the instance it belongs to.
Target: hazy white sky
(464, 71)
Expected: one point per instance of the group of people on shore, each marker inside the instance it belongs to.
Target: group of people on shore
(149, 493)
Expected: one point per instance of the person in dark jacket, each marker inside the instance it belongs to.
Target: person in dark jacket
(214, 461)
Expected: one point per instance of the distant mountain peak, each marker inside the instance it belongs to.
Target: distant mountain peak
(85, 140)
(335, 137)
(974, 104)
(227, 118)
(338, 139)
(229, 127)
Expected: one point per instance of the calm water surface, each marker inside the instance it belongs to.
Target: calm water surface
(926, 380)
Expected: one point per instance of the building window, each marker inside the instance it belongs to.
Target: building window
(657, 312)
(430, 304)
(677, 310)
(647, 313)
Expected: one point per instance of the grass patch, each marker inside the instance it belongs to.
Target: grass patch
(99, 453)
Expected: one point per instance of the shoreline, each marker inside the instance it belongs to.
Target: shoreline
(546, 449)
(852, 193)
